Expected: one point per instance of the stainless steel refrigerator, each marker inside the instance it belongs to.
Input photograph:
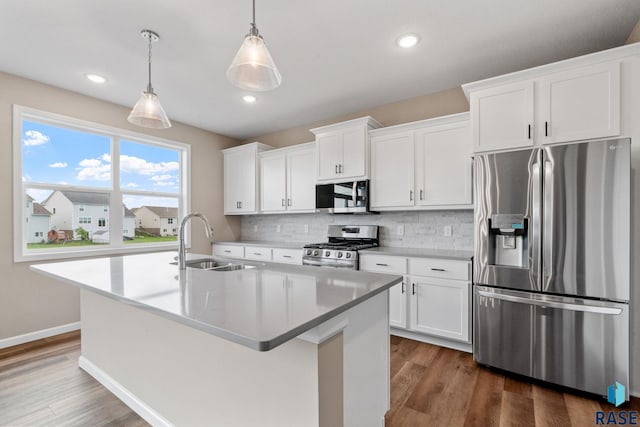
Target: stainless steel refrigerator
(552, 263)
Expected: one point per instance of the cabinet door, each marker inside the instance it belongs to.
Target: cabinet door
(329, 149)
(580, 104)
(398, 305)
(440, 307)
(273, 183)
(301, 181)
(354, 149)
(443, 165)
(392, 170)
(240, 182)
(502, 117)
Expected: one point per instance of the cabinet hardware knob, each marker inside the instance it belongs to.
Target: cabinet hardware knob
(336, 168)
(438, 269)
(546, 128)
(340, 167)
(421, 194)
(286, 256)
(257, 253)
(403, 287)
(382, 264)
(413, 288)
(227, 251)
(288, 202)
(282, 202)
(411, 195)
(529, 132)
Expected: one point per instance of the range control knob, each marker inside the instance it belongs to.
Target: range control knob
(339, 254)
(315, 253)
(308, 251)
(327, 253)
(348, 255)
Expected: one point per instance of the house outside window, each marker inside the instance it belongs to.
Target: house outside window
(169, 220)
(68, 166)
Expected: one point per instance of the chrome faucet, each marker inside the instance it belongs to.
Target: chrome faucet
(181, 251)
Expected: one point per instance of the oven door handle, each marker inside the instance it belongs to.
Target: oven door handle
(354, 193)
(324, 264)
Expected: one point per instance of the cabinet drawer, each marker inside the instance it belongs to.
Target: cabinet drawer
(383, 264)
(288, 256)
(257, 253)
(232, 251)
(443, 268)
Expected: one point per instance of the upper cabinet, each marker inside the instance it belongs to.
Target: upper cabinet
(342, 150)
(422, 165)
(241, 178)
(287, 179)
(572, 100)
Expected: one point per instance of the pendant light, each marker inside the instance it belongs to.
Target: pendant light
(253, 68)
(148, 112)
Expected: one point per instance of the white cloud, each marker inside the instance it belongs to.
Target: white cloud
(142, 167)
(33, 137)
(158, 178)
(165, 183)
(58, 165)
(63, 183)
(93, 170)
(106, 157)
(132, 185)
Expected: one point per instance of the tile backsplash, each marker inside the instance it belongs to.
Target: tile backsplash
(422, 229)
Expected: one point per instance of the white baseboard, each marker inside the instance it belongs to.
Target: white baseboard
(38, 335)
(461, 346)
(129, 399)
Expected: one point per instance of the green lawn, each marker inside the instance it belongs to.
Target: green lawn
(72, 243)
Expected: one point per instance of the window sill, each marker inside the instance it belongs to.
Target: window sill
(78, 252)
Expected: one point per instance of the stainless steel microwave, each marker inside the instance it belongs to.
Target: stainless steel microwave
(343, 197)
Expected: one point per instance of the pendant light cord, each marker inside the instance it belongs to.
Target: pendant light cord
(149, 87)
(254, 13)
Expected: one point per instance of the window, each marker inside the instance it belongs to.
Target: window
(39, 233)
(88, 182)
(170, 220)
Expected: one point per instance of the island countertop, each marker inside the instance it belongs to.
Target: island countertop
(260, 307)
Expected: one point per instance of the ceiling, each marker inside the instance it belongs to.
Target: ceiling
(335, 56)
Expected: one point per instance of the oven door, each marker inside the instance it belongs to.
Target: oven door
(334, 263)
(344, 197)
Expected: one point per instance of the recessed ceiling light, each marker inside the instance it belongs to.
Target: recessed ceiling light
(249, 99)
(95, 78)
(408, 40)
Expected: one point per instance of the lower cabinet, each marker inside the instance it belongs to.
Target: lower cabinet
(440, 307)
(258, 253)
(433, 298)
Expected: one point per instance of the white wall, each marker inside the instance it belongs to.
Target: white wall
(62, 219)
(30, 302)
(39, 223)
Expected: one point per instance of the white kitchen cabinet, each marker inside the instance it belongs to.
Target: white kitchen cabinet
(569, 101)
(342, 150)
(580, 104)
(392, 170)
(257, 253)
(287, 256)
(502, 117)
(398, 302)
(287, 181)
(422, 165)
(241, 178)
(229, 251)
(440, 307)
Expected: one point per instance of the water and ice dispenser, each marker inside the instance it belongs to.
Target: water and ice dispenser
(508, 240)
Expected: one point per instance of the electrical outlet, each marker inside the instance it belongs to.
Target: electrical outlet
(278, 228)
(306, 228)
(255, 228)
(400, 230)
(447, 231)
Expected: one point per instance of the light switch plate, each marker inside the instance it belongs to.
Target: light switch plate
(400, 230)
(447, 231)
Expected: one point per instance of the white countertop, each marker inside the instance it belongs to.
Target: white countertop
(263, 243)
(260, 308)
(420, 253)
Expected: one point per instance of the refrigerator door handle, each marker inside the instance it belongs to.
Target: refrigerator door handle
(547, 223)
(536, 211)
(553, 304)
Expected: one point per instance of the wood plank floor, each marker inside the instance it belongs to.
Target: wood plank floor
(41, 385)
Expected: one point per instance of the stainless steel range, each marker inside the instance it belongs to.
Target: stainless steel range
(341, 251)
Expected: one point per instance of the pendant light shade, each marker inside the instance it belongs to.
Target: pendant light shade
(253, 68)
(148, 112)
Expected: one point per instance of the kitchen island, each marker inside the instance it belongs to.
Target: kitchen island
(268, 345)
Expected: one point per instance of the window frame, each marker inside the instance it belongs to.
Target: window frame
(115, 215)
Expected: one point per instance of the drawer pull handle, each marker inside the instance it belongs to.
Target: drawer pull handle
(286, 256)
(413, 288)
(227, 251)
(438, 269)
(257, 253)
(403, 287)
(382, 264)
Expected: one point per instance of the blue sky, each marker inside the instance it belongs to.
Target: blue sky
(57, 155)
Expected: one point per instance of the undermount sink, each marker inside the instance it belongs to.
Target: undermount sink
(215, 265)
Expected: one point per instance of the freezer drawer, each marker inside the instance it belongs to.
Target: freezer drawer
(582, 344)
